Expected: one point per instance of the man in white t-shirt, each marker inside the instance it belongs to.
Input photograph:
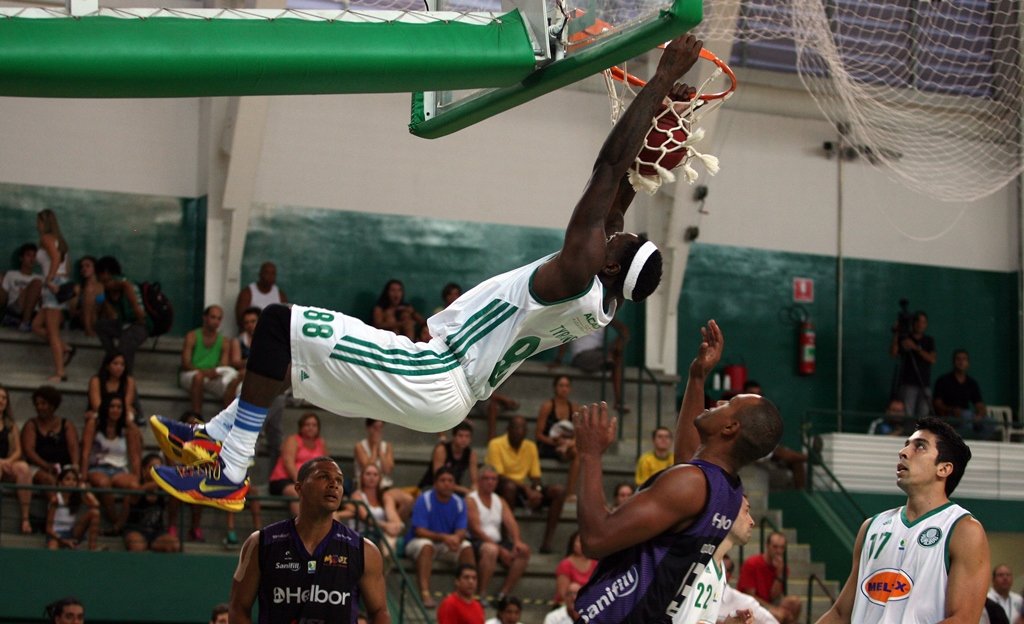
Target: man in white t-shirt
(21, 288)
(1001, 594)
(487, 515)
(567, 613)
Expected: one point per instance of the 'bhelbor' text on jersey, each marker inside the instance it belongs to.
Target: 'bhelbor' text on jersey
(309, 588)
(493, 327)
(646, 583)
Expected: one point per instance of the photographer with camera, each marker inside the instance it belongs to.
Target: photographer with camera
(916, 351)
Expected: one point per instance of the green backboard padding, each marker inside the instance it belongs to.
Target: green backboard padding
(681, 17)
(107, 57)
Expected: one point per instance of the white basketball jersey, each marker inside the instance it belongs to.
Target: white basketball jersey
(493, 328)
(904, 567)
(703, 602)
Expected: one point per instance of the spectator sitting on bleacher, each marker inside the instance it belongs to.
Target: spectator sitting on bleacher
(449, 293)
(567, 613)
(489, 520)
(380, 505)
(893, 422)
(764, 577)
(393, 313)
(508, 608)
(72, 514)
(122, 324)
(65, 611)
(13, 469)
(518, 464)
(958, 400)
(437, 531)
(219, 615)
(112, 380)
(238, 351)
(1002, 592)
(21, 290)
(204, 360)
(145, 528)
(588, 354)
(554, 433)
(574, 568)
(459, 607)
(112, 456)
(84, 307)
(297, 450)
(622, 491)
(374, 449)
(658, 458)
(259, 294)
(48, 441)
(457, 455)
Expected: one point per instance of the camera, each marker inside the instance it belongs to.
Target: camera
(904, 321)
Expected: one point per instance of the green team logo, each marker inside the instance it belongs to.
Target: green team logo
(930, 536)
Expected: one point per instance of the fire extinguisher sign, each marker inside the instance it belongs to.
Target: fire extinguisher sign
(803, 290)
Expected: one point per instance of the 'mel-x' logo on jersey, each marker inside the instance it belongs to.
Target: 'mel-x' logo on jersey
(721, 522)
(887, 584)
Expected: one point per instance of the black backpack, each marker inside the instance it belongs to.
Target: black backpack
(158, 308)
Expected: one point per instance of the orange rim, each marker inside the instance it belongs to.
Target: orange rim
(623, 76)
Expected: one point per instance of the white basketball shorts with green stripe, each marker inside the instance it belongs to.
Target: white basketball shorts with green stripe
(343, 365)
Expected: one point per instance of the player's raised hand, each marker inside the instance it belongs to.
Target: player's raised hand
(709, 353)
(679, 56)
(595, 430)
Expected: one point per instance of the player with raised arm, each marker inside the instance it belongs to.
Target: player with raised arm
(928, 560)
(656, 544)
(341, 364)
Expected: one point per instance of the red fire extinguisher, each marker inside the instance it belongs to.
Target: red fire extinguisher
(805, 346)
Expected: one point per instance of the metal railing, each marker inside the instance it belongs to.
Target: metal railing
(813, 580)
(820, 478)
(402, 608)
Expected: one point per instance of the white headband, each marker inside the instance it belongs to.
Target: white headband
(635, 267)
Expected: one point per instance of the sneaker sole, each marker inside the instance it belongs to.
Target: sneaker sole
(163, 438)
(198, 499)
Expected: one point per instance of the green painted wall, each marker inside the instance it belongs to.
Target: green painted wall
(155, 238)
(749, 292)
(115, 586)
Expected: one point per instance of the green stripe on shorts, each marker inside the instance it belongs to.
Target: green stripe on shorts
(408, 372)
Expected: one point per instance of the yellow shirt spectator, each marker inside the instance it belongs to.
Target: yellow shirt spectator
(515, 465)
(649, 463)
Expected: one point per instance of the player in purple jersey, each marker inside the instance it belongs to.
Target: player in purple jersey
(654, 545)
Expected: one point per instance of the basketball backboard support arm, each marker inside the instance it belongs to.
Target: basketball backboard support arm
(588, 60)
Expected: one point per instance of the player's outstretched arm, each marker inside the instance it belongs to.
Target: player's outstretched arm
(968, 573)
(246, 582)
(371, 585)
(676, 496)
(709, 353)
(843, 608)
(583, 251)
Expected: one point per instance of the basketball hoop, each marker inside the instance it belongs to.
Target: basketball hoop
(669, 142)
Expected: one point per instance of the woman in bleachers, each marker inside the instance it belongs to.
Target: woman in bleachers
(145, 528)
(54, 259)
(374, 450)
(380, 503)
(112, 380)
(393, 313)
(112, 455)
(297, 450)
(89, 296)
(49, 442)
(555, 439)
(13, 468)
(575, 568)
(72, 513)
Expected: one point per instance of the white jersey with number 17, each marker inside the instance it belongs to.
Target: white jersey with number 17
(904, 567)
(494, 327)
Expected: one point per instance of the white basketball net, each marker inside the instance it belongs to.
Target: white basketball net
(672, 131)
(929, 90)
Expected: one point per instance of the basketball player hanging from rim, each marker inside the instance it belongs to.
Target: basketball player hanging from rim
(344, 366)
(927, 561)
